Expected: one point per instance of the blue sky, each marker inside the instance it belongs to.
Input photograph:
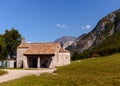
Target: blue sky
(47, 20)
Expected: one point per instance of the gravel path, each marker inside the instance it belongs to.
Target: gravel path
(14, 74)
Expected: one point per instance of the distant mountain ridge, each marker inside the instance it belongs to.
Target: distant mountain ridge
(66, 41)
(105, 28)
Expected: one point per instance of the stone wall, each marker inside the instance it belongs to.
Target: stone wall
(56, 57)
(20, 57)
(64, 58)
(53, 62)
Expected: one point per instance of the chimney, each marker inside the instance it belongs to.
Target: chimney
(22, 40)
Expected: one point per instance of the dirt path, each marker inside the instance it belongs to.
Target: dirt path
(14, 74)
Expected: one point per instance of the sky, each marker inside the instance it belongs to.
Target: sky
(48, 20)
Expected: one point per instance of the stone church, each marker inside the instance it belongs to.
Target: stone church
(41, 55)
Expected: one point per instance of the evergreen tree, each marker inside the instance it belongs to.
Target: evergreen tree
(75, 56)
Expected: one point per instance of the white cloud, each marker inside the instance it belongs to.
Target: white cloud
(61, 25)
(87, 26)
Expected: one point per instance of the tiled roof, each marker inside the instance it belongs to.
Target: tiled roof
(25, 45)
(40, 48)
(63, 50)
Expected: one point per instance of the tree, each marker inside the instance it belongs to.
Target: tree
(75, 56)
(117, 18)
(12, 39)
(3, 53)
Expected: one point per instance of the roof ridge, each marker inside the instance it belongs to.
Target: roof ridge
(41, 42)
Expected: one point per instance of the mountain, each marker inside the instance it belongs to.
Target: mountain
(66, 41)
(106, 27)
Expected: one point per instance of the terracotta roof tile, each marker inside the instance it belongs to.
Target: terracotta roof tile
(40, 48)
(25, 45)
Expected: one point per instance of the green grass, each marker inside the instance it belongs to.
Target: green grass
(2, 72)
(104, 71)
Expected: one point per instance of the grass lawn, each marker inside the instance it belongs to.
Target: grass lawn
(2, 72)
(89, 72)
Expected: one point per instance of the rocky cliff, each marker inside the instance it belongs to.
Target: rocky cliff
(66, 41)
(106, 27)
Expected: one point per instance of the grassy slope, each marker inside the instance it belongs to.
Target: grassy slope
(90, 72)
